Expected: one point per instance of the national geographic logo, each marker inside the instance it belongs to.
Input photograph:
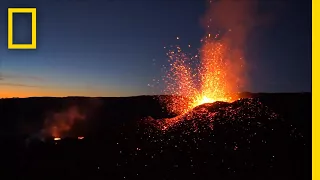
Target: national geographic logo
(33, 12)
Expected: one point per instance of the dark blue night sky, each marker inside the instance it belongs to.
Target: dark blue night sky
(115, 48)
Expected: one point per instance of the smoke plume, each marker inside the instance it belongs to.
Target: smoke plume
(57, 124)
(231, 21)
(232, 18)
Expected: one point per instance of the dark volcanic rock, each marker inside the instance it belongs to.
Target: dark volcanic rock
(265, 139)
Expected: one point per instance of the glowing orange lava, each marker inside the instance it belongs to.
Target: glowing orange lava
(214, 73)
(204, 78)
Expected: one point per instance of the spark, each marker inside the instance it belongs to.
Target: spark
(202, 78)
(213, 74)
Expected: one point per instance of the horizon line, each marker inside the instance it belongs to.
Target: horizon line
(303, 92)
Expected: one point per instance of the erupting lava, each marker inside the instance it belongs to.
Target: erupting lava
(204, 87)
(215, 73)
(204, 78)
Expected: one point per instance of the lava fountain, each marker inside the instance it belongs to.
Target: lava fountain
(207, 77)
(216, 72)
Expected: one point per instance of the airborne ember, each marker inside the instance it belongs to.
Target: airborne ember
(212, 80)
(217, 71)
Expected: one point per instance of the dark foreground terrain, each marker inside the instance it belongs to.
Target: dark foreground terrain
(267, 137)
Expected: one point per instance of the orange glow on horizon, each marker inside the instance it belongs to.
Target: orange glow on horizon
(25, 92)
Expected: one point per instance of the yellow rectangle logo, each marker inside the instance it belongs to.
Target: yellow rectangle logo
(33, 12)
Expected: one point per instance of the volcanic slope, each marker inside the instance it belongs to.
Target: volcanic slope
(234, 138)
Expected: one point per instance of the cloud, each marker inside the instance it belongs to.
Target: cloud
(18, 80)
(18, 84)
(7, 76)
